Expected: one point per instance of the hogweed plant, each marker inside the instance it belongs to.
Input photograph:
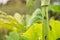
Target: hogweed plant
(38, 26)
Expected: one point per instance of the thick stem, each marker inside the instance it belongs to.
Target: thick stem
(45, 22)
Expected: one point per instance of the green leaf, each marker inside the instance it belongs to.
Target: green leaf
(10, 22)
(34, 32)
(13, 36)
(56, 27)
(23, 38)
(55, 8)
(36, 17)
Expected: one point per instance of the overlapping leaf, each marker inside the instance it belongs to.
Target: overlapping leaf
(35, 31)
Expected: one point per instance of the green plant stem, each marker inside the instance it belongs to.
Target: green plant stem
(45, 23)
(29, 5)
(45, 20)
